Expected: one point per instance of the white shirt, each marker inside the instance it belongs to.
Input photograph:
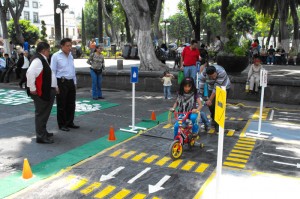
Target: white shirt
(63, 66)
(34, 71)
(26, 63)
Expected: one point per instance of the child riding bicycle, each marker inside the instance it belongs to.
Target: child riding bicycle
(186, 102)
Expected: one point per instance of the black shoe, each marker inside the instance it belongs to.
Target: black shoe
(49, 134)
(73, 126)
(63, 128)
(44, 141)
(100, 97)
(21, 86)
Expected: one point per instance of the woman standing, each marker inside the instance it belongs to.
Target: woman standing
(24, 68)
(96, 61)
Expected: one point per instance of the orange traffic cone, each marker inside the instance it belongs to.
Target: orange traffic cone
(26, 174)
(111, 136)
(153, 116)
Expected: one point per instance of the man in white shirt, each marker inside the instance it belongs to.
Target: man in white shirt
(42, 87)
(62, 64)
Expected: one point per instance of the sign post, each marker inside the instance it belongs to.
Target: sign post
(134, 75)
(263, 84)
(220, 108)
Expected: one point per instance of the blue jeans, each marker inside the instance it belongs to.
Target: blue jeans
(96, 84)
(190, 71)
(167, 92)
(204, 118)
(193, 117)
(270, 59)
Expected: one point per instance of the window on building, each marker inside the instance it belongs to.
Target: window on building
(26, 15)
(52, 31)
(7, 15)
(35, 17)
(26, 3)
(67, 32)
(35, 4)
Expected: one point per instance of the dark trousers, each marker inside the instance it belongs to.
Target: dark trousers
(42, 113)
(23, 77)
(6, 74)
(65, 102)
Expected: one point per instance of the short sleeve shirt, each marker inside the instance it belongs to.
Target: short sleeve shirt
(190, 57)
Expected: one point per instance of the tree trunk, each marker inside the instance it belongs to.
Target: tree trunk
(16, 17)
(195, 23)
(100, 22)
(83, 35)
(156, 19)
(128, 33)
(3, 10)
(57, 25)
(208, 36)
(108, 21)
(272, 27)
(283, 10)
(224, 13)
(296, 25)
(138, 14)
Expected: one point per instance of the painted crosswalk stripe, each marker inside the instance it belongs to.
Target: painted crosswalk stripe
(188, 165)
(239, 155)
(211, 131)
(240, 119)
(70, 177)
(90, 188)
(162, 161)
(243, 148)
(202, 168)
(167, 126)
(245, 142)
(241, 152)
(247, 139)
(232, 164)
(121, 194)
(230, 132)
(175, 164)
(116, 153)
(78, 184)
(232, 118)
(244, 145)
(128, 154)
(139, 196)
(236, 160)
(264, 115)
(139, 157)
(151, 159)
(155, 197)
(107, 190)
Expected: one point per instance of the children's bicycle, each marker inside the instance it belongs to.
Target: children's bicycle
(184, 135)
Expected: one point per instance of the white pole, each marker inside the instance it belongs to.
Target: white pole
(261, 108)
(220, 158)
(133, 105)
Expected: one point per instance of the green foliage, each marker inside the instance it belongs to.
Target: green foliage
(90, 13)
(30, 32)
(244, 19)
(179, 27)
(43, 31)
(233, 49)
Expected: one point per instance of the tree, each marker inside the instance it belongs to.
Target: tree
(90, 18)
(194, 18)
(43, 31)
(100, 21)
(179, 28)
(57, 24)
(16, 7)
(108, 21)
(224, 13)
(138, 14)
(30, 32)
(244, 19)
(83, 33)
(157, 19)
(3, 11)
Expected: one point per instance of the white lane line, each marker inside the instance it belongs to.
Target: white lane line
(282, 156)
(272, 115)
(287, 116)
(289, 113)
(289, 119)
(288, 149)
(17, 118)
(289, 164)
(139, 175)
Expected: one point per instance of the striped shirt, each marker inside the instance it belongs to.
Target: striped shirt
(221, 80)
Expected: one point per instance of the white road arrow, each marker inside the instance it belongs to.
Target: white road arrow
(158, 186)
(139, 175)
(111, 174)
(289, 164)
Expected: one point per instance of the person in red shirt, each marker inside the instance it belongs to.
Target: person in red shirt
(190, 55)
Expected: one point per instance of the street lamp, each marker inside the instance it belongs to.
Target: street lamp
(165, 22)
(61, 8)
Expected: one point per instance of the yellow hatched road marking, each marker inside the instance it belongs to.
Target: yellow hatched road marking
(79, 184)
(90, 188)
(70, 177)
(151, 159)
(211, 131)
(245, 142)
(188, 165)
(232, 118)
(167, 126)
(239, 156)
(116, 153)
(202, 168)
(139, 157)
(264, 115)
(247, 139)
(240, 119)
(226, 118)
(236, 160)
(230, 132)
(105, 192)
(175, 164)
(232, 164)
(128, 154)
(244, 145)
(139, 196)
(162, 161)
(243, 148)
(121, 194)
(242, 152)
(155, 197)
